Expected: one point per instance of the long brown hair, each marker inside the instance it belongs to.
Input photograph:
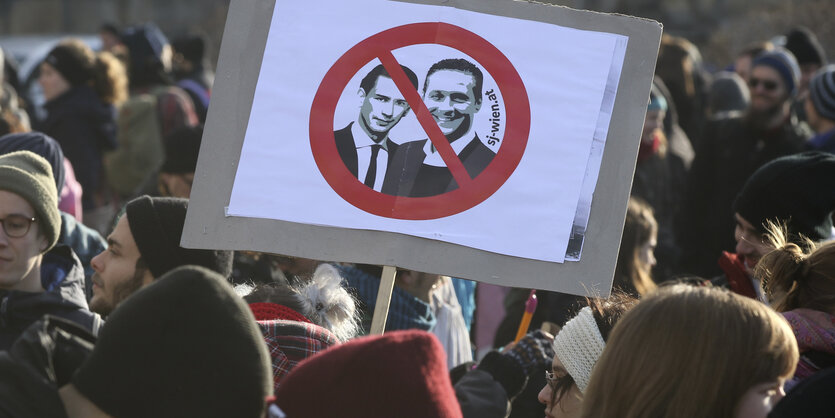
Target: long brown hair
(687, 351)
(632, 275)
(798, 276)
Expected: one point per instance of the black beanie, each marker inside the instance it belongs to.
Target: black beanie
(183, 346)
(146, 44)
(156, 224)
(797, 189)
(803, 43)
(73, 63)
(40, 144)
(193, 47)
(181, 149)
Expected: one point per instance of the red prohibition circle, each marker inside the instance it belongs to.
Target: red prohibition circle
(323, 143)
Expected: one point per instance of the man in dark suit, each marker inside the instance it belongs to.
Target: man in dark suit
(452, 94)
(364, 145)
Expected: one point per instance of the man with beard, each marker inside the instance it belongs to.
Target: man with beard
(144, 245)
(452, 94)
(365, 146)
(730, 151)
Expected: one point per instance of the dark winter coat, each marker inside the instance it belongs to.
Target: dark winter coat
(659, 180)
(729, 152)
(42, 360)
(64, 296)
(85, 127)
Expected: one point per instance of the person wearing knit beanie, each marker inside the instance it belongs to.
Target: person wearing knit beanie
(36, 276)
(820, 109)
(29, 177)
(75, 65)
(795, 191)
(399, 373)
(150, 55)
(144, 245)
(783, 63)
(177, 172)
(84, 241)
(804, 45)
(184, 346)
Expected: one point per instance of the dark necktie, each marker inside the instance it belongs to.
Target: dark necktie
(371, 175)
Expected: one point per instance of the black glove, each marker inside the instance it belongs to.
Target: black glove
(534, 352)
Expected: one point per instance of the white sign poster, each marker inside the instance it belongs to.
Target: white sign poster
(430, 121)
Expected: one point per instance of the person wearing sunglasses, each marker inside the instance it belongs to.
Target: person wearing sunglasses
(729, 151)
(31, 223)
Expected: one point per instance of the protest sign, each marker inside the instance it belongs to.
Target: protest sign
(490, 107)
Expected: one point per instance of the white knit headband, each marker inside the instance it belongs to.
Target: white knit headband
(578, 346)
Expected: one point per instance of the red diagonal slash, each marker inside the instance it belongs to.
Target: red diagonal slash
(456, 167)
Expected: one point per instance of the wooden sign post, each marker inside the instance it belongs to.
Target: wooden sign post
(381, 308)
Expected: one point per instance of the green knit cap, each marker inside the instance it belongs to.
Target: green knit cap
(29, 175)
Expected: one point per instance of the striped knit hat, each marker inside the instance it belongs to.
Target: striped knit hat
(822, 92)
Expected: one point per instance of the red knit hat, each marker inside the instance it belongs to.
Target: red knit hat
(400, 373)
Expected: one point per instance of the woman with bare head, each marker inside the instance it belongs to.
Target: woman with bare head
(800, 281)
(688, 351)
(636, 256)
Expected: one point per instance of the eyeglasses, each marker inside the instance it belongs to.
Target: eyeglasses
(552, 380)
(768, 85)
(16, 226)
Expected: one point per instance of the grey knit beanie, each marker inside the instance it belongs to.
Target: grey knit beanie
(822, 92)
(30, 176)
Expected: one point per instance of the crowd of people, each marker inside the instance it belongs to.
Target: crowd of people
(723, 301)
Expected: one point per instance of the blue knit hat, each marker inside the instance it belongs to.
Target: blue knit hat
(782, 61)
(40, 144)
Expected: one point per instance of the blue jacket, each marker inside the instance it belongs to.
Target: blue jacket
(85, 242)
(824, 141)
(405, 311)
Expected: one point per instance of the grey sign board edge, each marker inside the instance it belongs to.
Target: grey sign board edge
(241, 52)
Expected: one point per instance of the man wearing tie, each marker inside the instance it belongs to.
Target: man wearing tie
(364, 145)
